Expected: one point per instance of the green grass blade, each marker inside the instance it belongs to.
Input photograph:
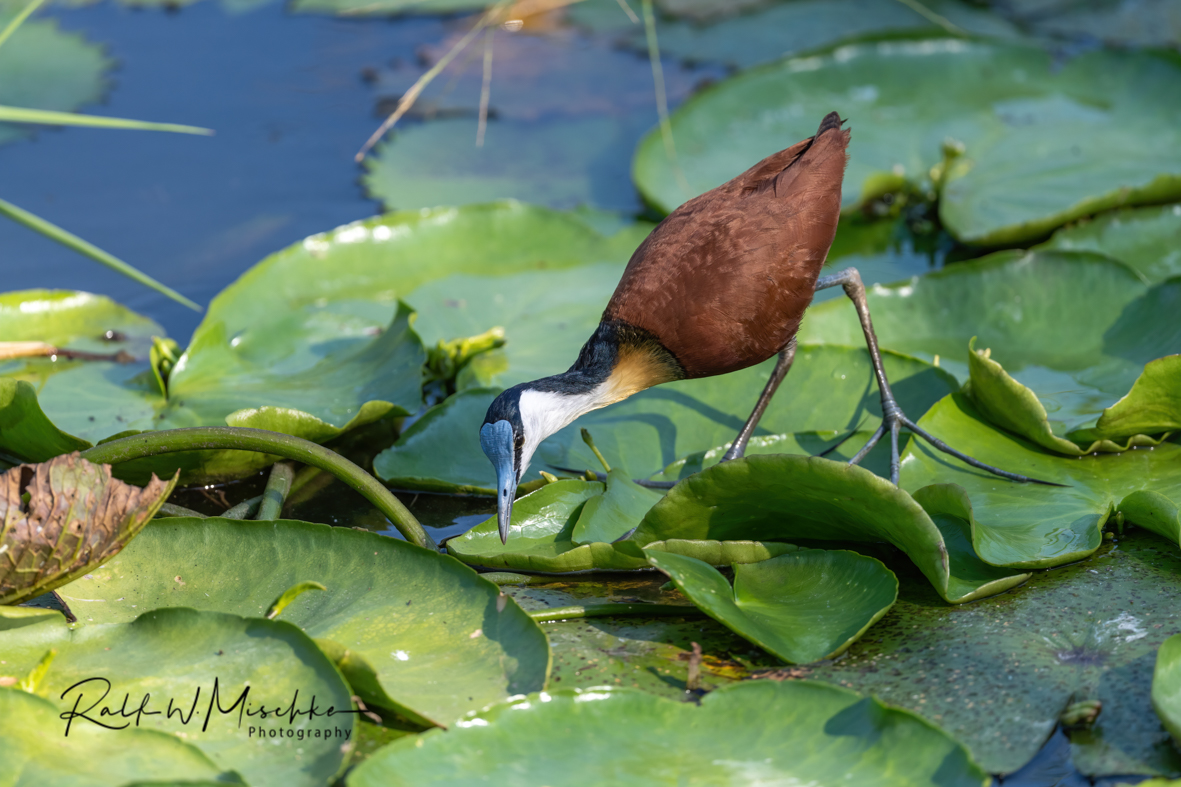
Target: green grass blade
(71, 241)
(18, 20)
(50, 118)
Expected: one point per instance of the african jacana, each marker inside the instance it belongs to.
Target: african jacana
(719, 285)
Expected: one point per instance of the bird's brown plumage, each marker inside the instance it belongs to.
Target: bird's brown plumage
(723, 282)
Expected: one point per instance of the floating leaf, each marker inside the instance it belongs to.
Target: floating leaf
(803, 606)
(169, 655)
(1151, 407)
(395, 617)
(35, 752)
(783, 497)
(387, 7)
(1036, 526)
(541, 538)
(1166, 685)
(1146, 23)
(610, 515)
(1037, 136)
(829, 388)
(76, 517)
(792, 732)
(790, 29)
(1077, 360)
(997, 673)
(1147, 240)
(42, 67)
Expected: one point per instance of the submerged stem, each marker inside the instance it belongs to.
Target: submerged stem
(606, 610)
(244, 510)
(230, 438)
(278, 486)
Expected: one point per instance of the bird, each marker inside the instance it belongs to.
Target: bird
(720, 285)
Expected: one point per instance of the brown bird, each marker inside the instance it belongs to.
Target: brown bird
(719, 285)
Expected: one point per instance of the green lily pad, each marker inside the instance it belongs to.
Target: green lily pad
(803, 606)
(1147, 240)
(829, 388)
(1151, 407)
(168, 655)
(395, 617)
(794, 733)
(42, 67)
(1166, 685)
(76, 517)
(541, 538)
(310, 342)
(784, 497)
(36, 754)
(1147, 23)
(793, 28)
(1036, 137)
(997, 673)
(620, 508)
(1077, 360)
(1036, 526)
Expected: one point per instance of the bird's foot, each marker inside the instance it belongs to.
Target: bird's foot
(894, 420)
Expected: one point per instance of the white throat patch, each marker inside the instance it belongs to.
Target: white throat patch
(545, 412)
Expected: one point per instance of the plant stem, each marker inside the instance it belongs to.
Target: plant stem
(244, 510)
(230, 438)
(172, 509)
(605, 610)
(278, 485)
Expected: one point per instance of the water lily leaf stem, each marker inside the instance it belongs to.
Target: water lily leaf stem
(243, 439)
(172, 509)
(608, 610)
(244, 510)
(278, 487)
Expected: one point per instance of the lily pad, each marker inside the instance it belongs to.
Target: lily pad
(997, 673)
(1036, 137)
(1151, 407)
(1166, 685)
(1148, 240)
(160, 660)
(310, 342)
(784, 497)
(395, 617)
(43, 67)
(796, 733)
(829, 388)
(793, 28)
(76, 517)
(1036, 526)
(804, 606)
(541, 538)
(387, 7)
(1146, 23)
(564, 118)
(36, 754)
(620, 508)
(1077, 359)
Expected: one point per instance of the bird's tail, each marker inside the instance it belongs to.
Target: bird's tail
(831, 121)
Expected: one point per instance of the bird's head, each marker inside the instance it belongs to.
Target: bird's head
(516, 423)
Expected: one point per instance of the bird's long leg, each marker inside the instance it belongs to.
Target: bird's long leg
(782, 367)
(893, 419)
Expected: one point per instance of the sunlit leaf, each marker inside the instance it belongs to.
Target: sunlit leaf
(803, 606)
(1146, 239)
(413, 631)
(170, 654)
(791, 732)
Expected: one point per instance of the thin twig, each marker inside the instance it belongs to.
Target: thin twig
(486, 87)
(18, 20)
(931, 16)
(666, 128)
(416, 89)
(627, 9)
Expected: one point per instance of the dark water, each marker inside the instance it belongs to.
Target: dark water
(285, 95)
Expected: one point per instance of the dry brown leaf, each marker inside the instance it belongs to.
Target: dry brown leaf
(76, 518)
